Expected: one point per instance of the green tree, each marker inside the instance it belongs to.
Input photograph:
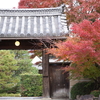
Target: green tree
(8, 66)
(24, 62)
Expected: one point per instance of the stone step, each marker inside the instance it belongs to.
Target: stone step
(28, 98)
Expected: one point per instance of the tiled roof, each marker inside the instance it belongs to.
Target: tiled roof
(32, 23)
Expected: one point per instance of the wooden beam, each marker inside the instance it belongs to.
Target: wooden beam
(24, 44)
(46, 80)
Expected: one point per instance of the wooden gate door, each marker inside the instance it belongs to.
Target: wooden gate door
(59, 82)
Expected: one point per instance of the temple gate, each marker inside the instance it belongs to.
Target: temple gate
(33, 29)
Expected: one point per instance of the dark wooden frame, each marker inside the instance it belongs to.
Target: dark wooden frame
(24, 44)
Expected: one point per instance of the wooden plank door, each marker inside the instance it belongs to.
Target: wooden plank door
(59, 82)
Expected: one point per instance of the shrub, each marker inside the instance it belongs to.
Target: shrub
(82, 88)
(31, 85)
(96, 93)
(9, 95)
(13, 90)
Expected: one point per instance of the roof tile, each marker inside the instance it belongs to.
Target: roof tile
(32, 23)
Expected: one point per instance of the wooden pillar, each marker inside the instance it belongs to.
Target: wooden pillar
(46, 81)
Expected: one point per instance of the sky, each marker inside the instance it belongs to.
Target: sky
(8, 4)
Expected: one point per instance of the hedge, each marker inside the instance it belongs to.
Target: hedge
(82, 88)
(31, 85)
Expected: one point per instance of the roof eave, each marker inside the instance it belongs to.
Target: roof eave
(26, 38)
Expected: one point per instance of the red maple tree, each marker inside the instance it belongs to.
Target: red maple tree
(82, 49)
(78, 10)
(39, 3)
